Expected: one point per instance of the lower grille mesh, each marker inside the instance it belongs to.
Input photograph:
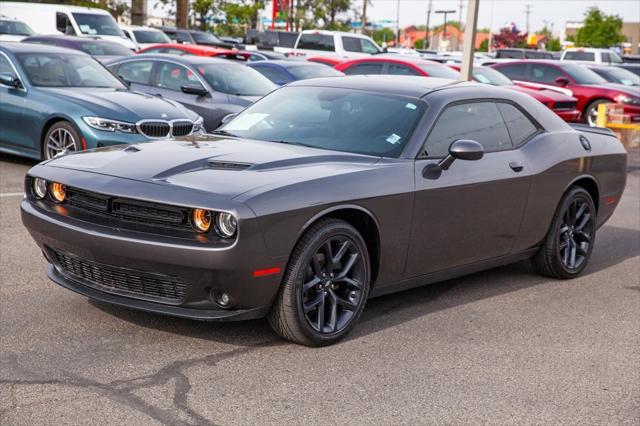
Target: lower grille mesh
(112, 279)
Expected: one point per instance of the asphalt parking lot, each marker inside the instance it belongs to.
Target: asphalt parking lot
(502, 347)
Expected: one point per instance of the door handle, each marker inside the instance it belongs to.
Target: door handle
(516, 166)
(158, 95)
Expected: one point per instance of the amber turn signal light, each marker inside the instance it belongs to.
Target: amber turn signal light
(201, 220)
(58, 192)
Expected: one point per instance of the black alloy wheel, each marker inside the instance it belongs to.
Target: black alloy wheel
(325, 286)
(571, 237)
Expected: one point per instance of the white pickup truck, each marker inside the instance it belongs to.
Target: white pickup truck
(332, 43)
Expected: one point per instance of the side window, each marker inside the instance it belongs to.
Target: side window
(519, 126)
(545, 73)
(136, 71)
(514, 71)
(351, 44)
(5, 67)
(368, 46)
(63, 25)
(605, 57)
(396, 69)
(275, 75)
(365, 68)
(174, 76)
(316, 42)
(183, 37)
(478, 121)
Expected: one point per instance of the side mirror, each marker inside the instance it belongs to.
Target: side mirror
(125, 81)
(462, 149)
(562, 81)
(227, 118)
(7, 79)
(194, 89)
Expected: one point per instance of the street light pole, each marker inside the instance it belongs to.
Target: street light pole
(426, 31)
(398, 24)
(444, 29)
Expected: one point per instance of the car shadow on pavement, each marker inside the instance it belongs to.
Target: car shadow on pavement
(389, 311)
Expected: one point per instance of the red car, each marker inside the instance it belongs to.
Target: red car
(331, 61)
(563, 105)
(396, 65)
(588, 87)
(195, 49)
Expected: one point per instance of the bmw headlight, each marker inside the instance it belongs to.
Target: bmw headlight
(109, 125)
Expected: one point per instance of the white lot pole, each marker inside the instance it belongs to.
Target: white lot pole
(468, 47)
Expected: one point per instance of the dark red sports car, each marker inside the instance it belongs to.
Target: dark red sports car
(585, 85)
(195, 49)
(397, 65)
(563, 105)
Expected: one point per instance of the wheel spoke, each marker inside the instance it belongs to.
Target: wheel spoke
(310, 284)
(347, 266)
(572, 213)
(341, 251)
(349, 281)
(583, 236)
(308, 307)
(315, 264)
(586, 218)
(581, 210)
(321, 312)
(565, 255)
(333, 311)
(572, 260)
(580, 251)
(346, 304)
(563, 245)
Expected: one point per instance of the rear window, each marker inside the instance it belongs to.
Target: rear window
(579, 56)
(104, 48)
(511, 54)
(440, 71)
(303, 72)
(365, 68)
(316, 42)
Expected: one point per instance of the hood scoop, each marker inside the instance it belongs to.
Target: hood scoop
(227, 165)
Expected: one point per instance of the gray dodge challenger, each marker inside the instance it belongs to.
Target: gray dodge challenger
(323, 194)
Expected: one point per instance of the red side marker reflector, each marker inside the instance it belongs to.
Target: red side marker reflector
(610, 200)
(263, 272)
(84, 143)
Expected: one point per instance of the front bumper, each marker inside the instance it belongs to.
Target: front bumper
(570, 115)
(204, 270)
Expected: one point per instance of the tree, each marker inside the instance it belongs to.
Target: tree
(509, 38)
(239, 16)
(599, 29)
(484, 46)
(202, 8)
(383, 35)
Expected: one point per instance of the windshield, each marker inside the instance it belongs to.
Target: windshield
(439, 71)
(328, 118)
(618, 75)
(236, 79)
(582, 75)
(104, 48)
(66, 70)
(150, 36)
(205, 38)
(95, 24)
(303, 72)
(15, 28)
(491, 76)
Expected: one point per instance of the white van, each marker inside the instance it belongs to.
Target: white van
(332, 43)
(71, 20)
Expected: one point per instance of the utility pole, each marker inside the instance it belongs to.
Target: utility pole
(364, 16)
(398, 24)
(527, 11)
(182, 13)
(426, 31)
(466, 71)
(460, 23)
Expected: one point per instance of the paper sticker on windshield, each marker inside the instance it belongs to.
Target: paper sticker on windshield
(394, 139)
(410, 106)
(85, 29)
(245, 121)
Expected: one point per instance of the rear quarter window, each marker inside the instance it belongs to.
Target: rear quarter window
(518, 124)
(317, 42)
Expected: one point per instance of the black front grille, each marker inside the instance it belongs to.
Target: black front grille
(182, 128)
(565, 105)
(155, 129)
(122, 281)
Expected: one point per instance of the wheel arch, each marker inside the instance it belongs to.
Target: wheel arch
(361, 219)
(589, 184)
(49, 122)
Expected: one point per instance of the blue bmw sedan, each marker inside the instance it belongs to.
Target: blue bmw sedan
(55, 100)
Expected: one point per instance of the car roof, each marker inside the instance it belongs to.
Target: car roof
(285, 63)
(17, 47)
(67, 37)
(390, 84)
(186, 59)
(397, 58)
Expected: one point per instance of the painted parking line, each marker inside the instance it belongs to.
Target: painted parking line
(11, 194)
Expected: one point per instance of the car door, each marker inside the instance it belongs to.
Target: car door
(546, 74)
(12, 109)
(399, 69)
(138, 74)
(472, 211)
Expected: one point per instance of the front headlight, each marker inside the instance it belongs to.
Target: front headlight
(109, 125)
(226, 225)
(626, 99)
(39, 188)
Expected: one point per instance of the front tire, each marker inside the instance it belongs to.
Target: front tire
(61, 138)
(591, 112)
(570, 240)
(325, 286)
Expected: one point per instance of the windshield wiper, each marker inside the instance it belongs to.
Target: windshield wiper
(294, 143)
(224, 133)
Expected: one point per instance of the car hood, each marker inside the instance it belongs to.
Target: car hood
(217, 165)
(125, 105)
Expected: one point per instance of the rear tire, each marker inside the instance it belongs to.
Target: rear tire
(325, 286)
(569, 243)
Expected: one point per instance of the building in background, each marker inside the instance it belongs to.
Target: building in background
(631, 30)
(452, 42)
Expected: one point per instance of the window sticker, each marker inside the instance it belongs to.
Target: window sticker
(394, 139)
(410, 106)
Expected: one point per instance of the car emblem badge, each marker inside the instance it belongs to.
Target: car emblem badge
(163, 115)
